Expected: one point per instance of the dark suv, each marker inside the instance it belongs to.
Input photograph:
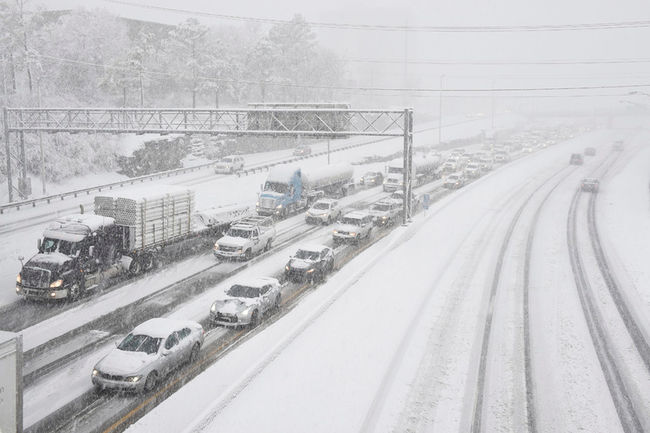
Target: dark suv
(576, 159)
(310, 263)
(590, 185)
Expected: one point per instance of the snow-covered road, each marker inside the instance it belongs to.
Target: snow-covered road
(392, 342)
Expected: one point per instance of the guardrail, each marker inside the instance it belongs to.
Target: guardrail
(164, 174)
(126, 182)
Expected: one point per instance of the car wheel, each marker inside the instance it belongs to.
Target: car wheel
(194, 354)
(267, 247)
(255, 319)
(248, 254)
(276, 305)
(329, 220)
(151, 381)
(74, 292)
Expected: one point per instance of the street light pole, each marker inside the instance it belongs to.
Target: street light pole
(440, 112)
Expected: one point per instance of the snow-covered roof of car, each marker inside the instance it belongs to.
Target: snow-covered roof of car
(325, 200)
(256, 281)
(161, 327)
(313, 248)
(356, 214)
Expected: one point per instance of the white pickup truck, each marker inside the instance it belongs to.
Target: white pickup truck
(246, 238)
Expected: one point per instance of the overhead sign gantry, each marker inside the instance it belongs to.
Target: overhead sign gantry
(283, 122)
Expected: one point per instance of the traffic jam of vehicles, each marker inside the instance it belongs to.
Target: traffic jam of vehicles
(131, 233)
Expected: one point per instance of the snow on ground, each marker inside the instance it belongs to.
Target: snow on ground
(321, 366)
(210, 190)
(623, 218)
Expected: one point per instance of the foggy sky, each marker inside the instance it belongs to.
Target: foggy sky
(460, 47)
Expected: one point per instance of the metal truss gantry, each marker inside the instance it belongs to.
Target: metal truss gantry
(316, 123)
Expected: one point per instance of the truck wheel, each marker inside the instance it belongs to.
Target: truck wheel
(135, 268)
(148, 262)
(74, 292)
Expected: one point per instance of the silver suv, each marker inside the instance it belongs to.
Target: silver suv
(353, 227)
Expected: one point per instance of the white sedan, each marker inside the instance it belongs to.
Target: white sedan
(150, 352)
(246, 302)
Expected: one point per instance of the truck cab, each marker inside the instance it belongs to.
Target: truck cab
(74, 250)
(394, 179)
(280, 194)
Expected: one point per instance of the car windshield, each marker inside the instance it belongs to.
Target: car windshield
(57, 245)
(240, 233)
(381, 207)
(352, 221)
(307, 255)
(394, 169)
(140, 343)
(227, 160)
(321, 206)
(281, 188)
(369, 174)
(239, 291)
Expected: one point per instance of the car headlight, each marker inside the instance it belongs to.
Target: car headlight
(286, 268)
(353, 234)
(213, 308)
(384, 217)
(18, 289)
(310, 271)
(335, 231)
(19, 279)
(133, 379)
(95, 372)
(279, 206)
(216, 246)
(257, 204)
(240, 249)
(57, 283)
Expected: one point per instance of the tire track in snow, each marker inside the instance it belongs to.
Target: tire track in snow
(623, 402)
(477, 417)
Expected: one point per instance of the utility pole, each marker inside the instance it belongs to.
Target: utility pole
(40, 139)
(328, 151)
(493, 101)
(406, 56)
(440, 112)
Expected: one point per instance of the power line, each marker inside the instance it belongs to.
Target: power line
(362, 88)
(406, 28)
(501, 63)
